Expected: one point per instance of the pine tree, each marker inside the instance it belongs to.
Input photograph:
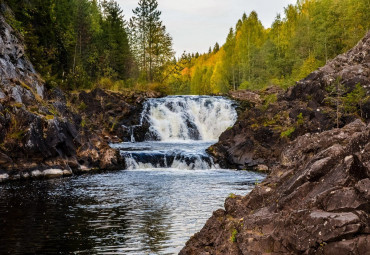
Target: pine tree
(152, 44)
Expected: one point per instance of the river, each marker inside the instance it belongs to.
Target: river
(170, 189)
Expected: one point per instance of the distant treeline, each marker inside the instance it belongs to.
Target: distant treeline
(309, 34)
(79, 44)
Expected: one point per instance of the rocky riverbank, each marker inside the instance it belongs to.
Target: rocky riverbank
(47, 133)
(315, 199)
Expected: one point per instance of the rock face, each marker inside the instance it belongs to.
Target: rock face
(44, 135)
(111, 114)
(19, 80)
(272, 118)
(316, 201)
(316, 197)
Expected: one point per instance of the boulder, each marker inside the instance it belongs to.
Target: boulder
(52, 173)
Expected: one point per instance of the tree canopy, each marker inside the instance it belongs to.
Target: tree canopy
(79, 44)
(309, 34)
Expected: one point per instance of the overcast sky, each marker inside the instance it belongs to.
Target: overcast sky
(197, 24)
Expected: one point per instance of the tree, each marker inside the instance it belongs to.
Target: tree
(356, 99)
(336, 97)
(216, 48)
(117, 39)
(152, 44)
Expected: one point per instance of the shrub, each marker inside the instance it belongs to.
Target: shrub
(232, 195)
(233, 236)
(300, 119)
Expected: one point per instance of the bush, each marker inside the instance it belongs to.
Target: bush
(159, 87)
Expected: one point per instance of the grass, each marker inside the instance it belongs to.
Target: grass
(288, 132)
(17, 135)
(233, 236)
(232, 195)
(82, 106)
(83, 123)
(269, 99)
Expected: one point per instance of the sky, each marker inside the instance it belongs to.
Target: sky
(195, 25)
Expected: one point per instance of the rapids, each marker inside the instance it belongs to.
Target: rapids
(181, 128)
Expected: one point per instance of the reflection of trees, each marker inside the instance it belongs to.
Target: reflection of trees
(70, 215)
(155, 228)
(36, 218)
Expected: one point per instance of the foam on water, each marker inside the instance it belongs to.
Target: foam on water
(181, 128)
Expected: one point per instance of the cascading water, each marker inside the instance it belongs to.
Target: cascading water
(180, 130)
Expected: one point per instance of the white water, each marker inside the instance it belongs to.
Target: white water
(189, 117)
(182, 128)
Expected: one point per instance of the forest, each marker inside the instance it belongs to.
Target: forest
(83, 44)
(305, 37)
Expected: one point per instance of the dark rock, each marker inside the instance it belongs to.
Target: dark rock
(311, 202)
(316, 197)
(49, 133)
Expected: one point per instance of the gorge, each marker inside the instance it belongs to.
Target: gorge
(172, 188)
(136, 171)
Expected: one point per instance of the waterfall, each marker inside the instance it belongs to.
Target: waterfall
(180, 129)
(189, 117)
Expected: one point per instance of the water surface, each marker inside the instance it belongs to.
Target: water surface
(127, 212)
(171, 190)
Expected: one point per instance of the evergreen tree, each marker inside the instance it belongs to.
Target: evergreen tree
(152, 44)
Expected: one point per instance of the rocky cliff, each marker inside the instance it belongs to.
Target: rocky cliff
(316, 198)
(315, 202)
(48, 133)
(274, 117)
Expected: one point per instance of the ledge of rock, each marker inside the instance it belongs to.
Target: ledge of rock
(315, 201)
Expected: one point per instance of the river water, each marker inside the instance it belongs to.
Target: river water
(170, 190)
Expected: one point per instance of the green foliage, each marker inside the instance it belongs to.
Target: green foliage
(83, 123)
(269, 99)
(355, 100)
(74, 43)
(17, 135)
(309, 34)
(49, 117)
(288, 132)
(82, 106)
(233, 236)
(81, 44)
(300, 119)
(336, 97)
(232, 195)
(151, 44)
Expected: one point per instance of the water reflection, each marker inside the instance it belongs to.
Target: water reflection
(128, 212)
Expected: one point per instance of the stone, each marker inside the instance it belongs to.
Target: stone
(262, 168)
(363, 187)
(25, 175)
(52, 173)
(36, 174)
(67, 172)
(4, 177)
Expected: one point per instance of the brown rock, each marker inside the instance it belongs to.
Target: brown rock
(311, 203)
